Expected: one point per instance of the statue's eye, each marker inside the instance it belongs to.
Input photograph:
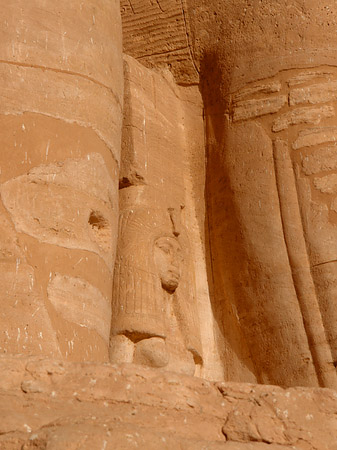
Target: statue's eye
(165, 248)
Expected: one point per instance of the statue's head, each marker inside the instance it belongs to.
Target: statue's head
(168, 257)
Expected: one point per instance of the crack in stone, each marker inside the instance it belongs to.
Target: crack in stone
(326, 262)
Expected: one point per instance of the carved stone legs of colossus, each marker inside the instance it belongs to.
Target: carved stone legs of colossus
(269, 85)
(60, 127)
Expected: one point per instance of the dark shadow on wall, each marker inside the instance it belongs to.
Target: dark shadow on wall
(224, 254)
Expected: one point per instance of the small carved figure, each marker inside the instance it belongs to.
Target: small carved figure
(154, 316)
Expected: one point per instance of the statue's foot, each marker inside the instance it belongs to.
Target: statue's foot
(121, 349)
(182, 362)
(151, 352)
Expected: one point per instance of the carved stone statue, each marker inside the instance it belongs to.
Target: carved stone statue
(154, 316)
(60, 126)
(270, 119)
(168, 259)
(228, 184)
(268, 80)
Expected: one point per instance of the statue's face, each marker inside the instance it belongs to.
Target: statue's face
(168, 258)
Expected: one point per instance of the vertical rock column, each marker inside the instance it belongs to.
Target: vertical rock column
(60, 129)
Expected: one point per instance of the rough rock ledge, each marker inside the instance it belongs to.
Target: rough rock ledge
(46, 404)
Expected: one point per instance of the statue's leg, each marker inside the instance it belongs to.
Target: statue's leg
(268, 72)
(315, 162)
(251, 270)
(60, 121)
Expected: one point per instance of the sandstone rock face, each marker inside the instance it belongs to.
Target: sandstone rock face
(168, 212)
(157, 34)
(60, 134)
(268, 83)
(54, 404)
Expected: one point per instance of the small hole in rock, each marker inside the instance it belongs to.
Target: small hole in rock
(100, 230)
(96, 220)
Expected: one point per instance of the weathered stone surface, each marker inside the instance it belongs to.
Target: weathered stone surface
(316, 93)
(156, 33)
(93, 406)
(248, 109)
(306, 76)
(216, 258)
(300, 264)
(321, 160)
(237, 46)
(150, 290)
(322, 251)
(44, 37)
(315, 136)
(40, 205)
(78, 301)
(324, 275)
(60, 127)
(249, 195)
(327, 184)
(268, 88)
(62, 96)
(302, 115)
(238, 43)
(26, 325)
(334, 205)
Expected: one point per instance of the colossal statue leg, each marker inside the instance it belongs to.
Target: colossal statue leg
(60, 119)
(268, 82)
